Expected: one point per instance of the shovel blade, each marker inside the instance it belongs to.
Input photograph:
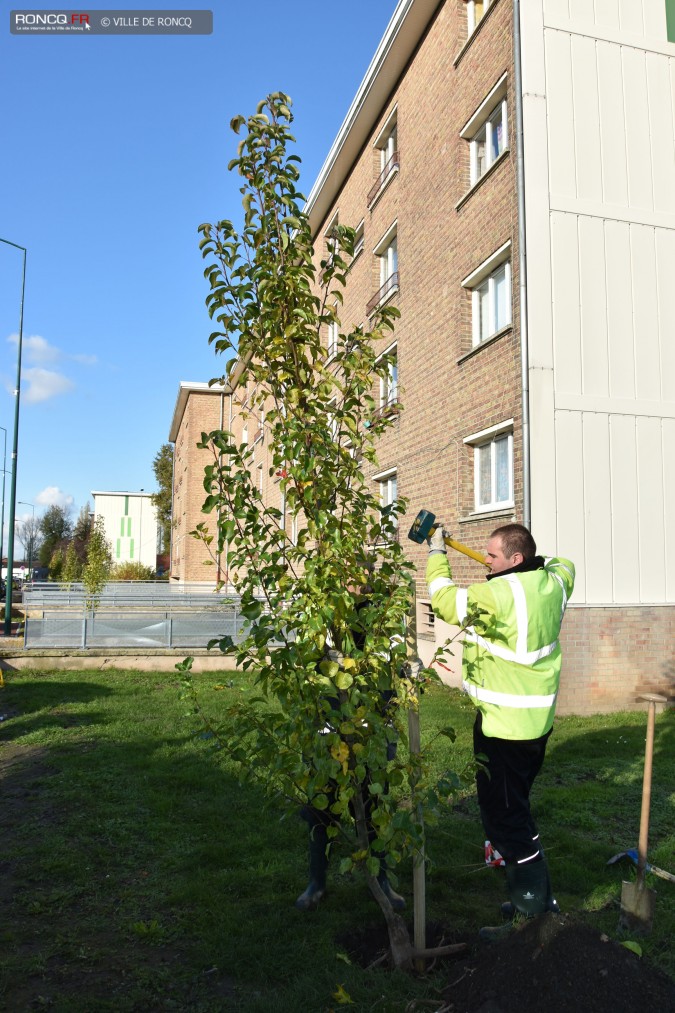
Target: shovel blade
(637, 907)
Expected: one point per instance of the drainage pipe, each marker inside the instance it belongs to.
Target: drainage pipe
(522, 266)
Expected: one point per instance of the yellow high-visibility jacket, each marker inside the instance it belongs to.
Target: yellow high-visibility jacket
(511, 669)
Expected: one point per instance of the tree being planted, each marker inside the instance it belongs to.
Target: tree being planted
(326, 608)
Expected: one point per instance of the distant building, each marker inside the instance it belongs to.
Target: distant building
(199, 408)
(130, 520)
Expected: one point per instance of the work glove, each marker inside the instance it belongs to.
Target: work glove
(436, 542)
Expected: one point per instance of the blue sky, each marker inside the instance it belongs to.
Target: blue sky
(115, 150)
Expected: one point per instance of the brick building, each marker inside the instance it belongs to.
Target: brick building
(510, 171)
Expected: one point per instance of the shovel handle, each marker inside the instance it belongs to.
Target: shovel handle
(646, 796)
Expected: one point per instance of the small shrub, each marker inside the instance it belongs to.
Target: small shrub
(132, 571)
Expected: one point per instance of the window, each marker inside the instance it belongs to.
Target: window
(388, 492)
(493, 467)
(389, 263)
(333, 335)
(389, 148)
(386, 252)
(330, 237)
(487, 132)
(389, 383)
(358, 239)
(492, 305)
(490, 286)
(489, 142)
(476, 11)
(260, 431)
(387, 144)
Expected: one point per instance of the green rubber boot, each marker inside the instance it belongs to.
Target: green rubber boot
(529, 890)
(318, 866)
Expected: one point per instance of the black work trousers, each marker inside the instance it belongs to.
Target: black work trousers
(504, 791)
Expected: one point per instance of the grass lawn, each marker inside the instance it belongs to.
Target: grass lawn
(137, 874)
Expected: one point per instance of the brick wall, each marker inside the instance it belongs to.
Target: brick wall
(444, 233)
(612, 655)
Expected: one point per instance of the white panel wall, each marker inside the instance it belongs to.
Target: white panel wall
(570, 507)
(641, 19)
(603, 266)
(624, 511)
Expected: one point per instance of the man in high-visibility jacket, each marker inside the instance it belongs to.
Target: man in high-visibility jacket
(511, 669)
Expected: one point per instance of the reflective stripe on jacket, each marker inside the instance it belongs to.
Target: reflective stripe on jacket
(510, 668)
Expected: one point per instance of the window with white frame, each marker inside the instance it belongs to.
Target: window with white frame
(475, 12)
(487, 131)
(359, 235)
(260, 431)
(386, 143)
(330, 237)
(489, 142)
(493, 467)
(389, 383)
(333, 335)
(490, 287)
(389, 262)
(386, 252)
(388, 146)
(388, 491)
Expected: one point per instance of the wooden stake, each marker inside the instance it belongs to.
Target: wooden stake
(419, 881)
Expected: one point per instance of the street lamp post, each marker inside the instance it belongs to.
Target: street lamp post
(15, 453)
(2, 510)
(32, 536)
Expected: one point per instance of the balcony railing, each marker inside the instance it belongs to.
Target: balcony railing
(392, 164)
(390, 285)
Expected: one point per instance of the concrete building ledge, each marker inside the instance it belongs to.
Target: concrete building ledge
(16, 659)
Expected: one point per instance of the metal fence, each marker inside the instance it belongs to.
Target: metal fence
(126, 615)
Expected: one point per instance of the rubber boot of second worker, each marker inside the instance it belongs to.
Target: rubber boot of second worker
(318, 866)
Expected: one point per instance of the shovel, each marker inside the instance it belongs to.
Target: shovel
(637, 901)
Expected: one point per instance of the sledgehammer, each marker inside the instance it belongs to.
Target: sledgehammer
(425, 525)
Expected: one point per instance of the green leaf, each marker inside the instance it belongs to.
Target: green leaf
(343, 680)
(633, 947)
(252, 610)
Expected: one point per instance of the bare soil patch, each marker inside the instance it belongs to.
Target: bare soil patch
(557, 964)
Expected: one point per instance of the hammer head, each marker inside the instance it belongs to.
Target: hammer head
(421, 526)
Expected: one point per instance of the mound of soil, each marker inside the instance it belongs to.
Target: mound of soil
(560, 965)
(552, 964)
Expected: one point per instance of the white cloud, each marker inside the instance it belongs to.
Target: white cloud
(44, 384)
(52, 496)
(36, 349)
